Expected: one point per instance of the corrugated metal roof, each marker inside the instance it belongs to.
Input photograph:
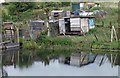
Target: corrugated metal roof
(57, 11)
(53, 21)
(82, 17)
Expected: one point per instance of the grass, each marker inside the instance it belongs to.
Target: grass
(70, 42)
(112, 13)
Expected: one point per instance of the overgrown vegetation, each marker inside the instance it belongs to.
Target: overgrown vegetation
(23, 11)
(29, 11)
(67, 42)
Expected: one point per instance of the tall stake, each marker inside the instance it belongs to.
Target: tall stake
(113, 32)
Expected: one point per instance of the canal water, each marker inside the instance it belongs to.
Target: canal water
(59, 63)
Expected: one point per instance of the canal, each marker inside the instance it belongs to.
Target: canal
(59, 63)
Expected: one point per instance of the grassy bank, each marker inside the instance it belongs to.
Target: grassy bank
(69, 43)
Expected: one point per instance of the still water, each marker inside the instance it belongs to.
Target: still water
(59, 63)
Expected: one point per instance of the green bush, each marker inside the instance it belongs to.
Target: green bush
(28, 43)
(95, 8)
(92, 31)
(114, 45)
(44, 39)
(61, 41)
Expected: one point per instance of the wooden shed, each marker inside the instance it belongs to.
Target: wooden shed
(10, 32)
(78, 59)
(36, 27)
(57, 14)
(76, 25)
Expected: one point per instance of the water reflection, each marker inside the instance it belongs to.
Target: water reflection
(78, 59)
(3, 73)
(23, 59)
(17, 58)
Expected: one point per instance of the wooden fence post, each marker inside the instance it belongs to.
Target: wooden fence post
(118, 34)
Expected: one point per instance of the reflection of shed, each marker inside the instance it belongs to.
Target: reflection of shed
(36, 27)
(75, 60)
(81, 59)
(78, 59)
(76, 25)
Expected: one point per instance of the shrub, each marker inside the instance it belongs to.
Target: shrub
(92, 31)
(61, 41)
(28, 43)
(95, 8)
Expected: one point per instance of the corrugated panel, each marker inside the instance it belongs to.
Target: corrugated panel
(75, 24)
(75, 28)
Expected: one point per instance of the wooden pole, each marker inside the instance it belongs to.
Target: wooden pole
(118, 33)
(113, 32)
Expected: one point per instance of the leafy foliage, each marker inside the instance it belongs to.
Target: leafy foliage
(17, 7)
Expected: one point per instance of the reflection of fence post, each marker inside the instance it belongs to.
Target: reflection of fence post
(1, 63)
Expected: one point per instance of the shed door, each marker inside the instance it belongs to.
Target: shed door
(84, 25)
(62, 26)
(67, 24)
